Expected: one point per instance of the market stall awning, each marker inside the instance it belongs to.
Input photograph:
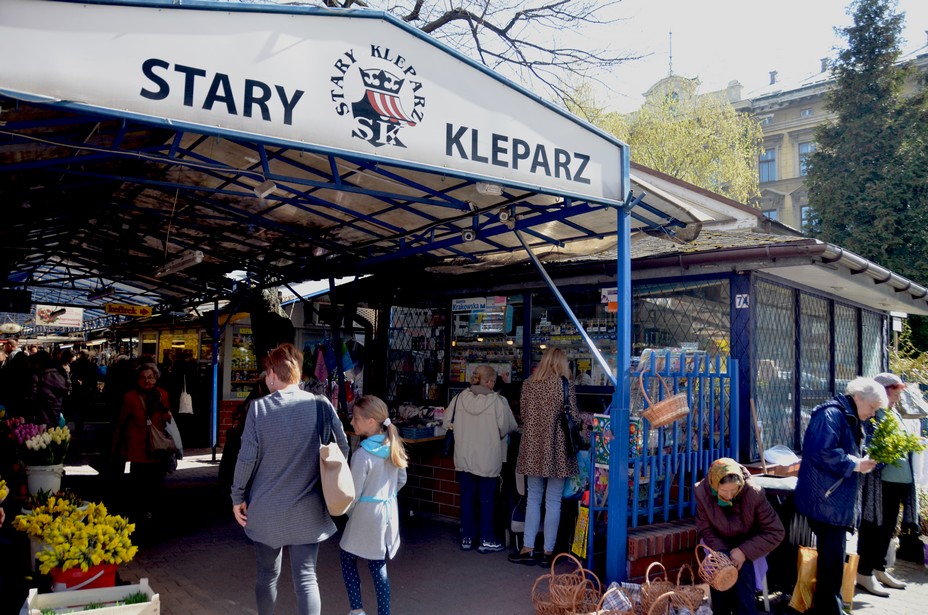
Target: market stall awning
(159, 147)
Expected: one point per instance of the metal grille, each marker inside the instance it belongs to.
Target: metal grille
(415, 363)
(873, 342)
(846, 345)
(814, 359)
(774, 350)
(670, 315)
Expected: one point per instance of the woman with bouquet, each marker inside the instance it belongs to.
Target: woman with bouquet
(888, 487)
(827, 490)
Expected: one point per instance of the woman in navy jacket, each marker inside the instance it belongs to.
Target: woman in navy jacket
(827, 491)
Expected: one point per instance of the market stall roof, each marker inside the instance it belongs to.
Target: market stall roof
(157, 147)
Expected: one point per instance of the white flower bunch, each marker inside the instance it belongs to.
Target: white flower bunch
(57, 435)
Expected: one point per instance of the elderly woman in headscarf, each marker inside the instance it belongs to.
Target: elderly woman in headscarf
(733, 516)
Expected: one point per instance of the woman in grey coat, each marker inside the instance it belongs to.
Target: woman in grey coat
(276, 494)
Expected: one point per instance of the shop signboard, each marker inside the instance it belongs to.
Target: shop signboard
(59, 317)
(354, 82)
(123, 309)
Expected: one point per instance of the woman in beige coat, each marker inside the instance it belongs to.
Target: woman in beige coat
(481, 420)
(543, 457)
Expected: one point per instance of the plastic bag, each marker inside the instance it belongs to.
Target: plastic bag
(575, 485)
(805, 579)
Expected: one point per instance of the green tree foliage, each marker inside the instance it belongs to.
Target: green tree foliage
(866, 179)
(702, 140)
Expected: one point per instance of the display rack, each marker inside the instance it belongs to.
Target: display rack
(416, 356)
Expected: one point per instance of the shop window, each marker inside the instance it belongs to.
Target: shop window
(846, 345)
(774, 359)
(767, 165)
(416, 358)
(814, 355)
(243, 363)
(694, 315)
(872, 341)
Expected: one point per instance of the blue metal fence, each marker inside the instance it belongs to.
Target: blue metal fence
(664, 464)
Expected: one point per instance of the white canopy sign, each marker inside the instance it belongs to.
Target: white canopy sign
(340, 81)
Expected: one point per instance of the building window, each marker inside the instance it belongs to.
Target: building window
(806, 112)
(771, 214)
(767, 164)
(767, 120)
(805, 150)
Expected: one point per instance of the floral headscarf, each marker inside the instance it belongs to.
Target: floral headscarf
(720, 468)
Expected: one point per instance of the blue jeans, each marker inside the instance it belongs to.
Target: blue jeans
(477, 490)
(552, 496)
(302, 569)
(378, 570)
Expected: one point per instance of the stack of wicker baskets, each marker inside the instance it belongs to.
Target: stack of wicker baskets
(577, 591)
(574, 591)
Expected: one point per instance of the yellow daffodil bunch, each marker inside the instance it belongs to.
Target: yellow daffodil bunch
(47, 448)
(77, 537)
(4, 490)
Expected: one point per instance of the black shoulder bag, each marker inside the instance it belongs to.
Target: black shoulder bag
(572, 436)
(448, 451)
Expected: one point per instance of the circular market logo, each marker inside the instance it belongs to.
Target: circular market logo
(380, 92)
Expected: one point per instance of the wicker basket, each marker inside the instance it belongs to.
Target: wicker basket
(661, 605)
(541, 597)
(567, 588)
(650, 590)
(667, 410)
(586, 599)
(716, 569)
(602, 609)
(687, 596)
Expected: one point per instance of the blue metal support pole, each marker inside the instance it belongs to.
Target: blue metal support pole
(214, 402)
(570, 313)
(617, 530)
(740, 336)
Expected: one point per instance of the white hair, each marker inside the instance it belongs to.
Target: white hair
(867, 389)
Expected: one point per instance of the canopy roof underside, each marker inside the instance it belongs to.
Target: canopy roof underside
(91, 201)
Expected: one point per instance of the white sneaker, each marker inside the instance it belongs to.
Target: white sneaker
(360, 612)
(888, 580)
(869, 584)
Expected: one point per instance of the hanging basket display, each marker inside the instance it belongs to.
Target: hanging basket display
(666, 411)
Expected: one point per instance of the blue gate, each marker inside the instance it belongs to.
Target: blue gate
(665, 463)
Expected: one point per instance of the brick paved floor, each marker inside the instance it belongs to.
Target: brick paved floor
(202, 564)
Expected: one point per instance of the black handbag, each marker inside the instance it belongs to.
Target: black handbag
(572, 436)
(448, 450)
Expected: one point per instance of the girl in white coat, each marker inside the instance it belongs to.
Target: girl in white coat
(379, 471)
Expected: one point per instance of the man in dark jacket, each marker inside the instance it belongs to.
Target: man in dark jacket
(827, 491)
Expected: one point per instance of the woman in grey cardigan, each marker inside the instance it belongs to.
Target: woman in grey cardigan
(276, 495)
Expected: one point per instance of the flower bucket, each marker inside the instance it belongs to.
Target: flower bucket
(44, 478)
(102, 575)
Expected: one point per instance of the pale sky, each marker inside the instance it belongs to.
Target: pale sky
(723, 40)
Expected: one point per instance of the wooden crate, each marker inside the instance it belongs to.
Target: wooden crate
(72, 601)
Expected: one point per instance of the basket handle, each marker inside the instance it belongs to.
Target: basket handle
(700, 556)
(570, 557)
(680, 575)
(645, 393)
(537, 581)
(647, 574)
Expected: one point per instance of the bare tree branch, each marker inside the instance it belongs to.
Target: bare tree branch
(526, 40)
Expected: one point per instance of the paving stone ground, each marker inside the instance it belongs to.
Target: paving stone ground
(202, 564)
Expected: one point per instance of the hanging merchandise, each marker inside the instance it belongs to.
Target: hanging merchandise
(329, 354)
(321, 373)
(347, 363)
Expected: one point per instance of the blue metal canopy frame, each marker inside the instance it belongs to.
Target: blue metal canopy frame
(98, 197)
